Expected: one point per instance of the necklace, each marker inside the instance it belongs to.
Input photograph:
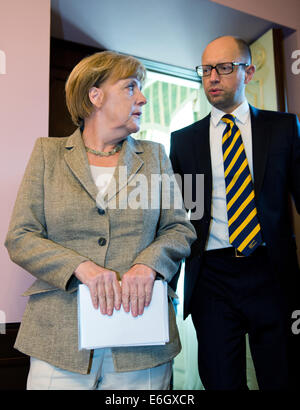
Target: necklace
(103, 153)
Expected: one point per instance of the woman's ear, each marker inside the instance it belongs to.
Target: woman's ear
(96, 96)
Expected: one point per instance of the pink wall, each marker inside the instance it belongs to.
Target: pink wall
(279, 11)
(286, 13)
(24, 95)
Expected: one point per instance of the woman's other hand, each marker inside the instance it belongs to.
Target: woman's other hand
(103, 284)
(137, 285)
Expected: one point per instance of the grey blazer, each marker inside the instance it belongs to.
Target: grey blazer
(56, 225)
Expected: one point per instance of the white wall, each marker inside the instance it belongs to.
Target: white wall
(169, 31)
(24, 95)
(177, 31)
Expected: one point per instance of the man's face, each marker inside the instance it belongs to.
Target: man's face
(226, 92)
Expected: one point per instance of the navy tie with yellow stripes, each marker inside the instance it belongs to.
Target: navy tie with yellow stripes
(243, 223)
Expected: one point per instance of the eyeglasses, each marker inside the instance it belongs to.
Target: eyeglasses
(221, 68)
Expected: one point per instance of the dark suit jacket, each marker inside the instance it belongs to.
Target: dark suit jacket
(276, 164)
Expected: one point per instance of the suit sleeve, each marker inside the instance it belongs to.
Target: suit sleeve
(175, 233)
(26, 240)
(295, 168)
(173, 156)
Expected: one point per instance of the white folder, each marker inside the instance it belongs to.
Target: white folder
(122, 329)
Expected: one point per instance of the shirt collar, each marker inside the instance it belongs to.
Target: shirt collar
(241, 113)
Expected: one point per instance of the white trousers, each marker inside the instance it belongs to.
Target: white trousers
(44, 376)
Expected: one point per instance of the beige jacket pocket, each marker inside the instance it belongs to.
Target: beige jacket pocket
(40, 286)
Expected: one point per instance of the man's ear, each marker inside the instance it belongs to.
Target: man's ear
(96, 96)
(249, 73)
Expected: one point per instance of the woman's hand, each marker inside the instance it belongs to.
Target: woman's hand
(103, 284)
(137, 285)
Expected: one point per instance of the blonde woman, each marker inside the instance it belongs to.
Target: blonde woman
(65, 231)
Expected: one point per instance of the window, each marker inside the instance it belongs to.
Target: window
(173, 103)
(175, 100)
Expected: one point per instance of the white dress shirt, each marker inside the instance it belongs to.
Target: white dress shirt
(218, 234)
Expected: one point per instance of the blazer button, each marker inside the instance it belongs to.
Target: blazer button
(102, 241)
(101, 211)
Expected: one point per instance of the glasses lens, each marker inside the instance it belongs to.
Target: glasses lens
(204, 70)
(224, 68)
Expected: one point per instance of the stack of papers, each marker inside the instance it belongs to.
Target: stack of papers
(122, 329)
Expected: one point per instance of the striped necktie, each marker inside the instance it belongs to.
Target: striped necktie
(243, 223)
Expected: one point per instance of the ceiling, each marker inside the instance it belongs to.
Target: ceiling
(169, 31)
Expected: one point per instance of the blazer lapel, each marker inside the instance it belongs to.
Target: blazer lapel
(261, 132)
(129, 164)
(202, 159)
(76, 158)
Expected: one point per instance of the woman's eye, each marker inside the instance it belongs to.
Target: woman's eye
(131, 87)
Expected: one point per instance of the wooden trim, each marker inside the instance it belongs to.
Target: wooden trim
(14, 365)
(64, 55)
(279, 69)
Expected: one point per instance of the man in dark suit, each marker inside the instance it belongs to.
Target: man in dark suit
(243, 275)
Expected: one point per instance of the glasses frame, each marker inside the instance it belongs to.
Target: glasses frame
(233, 64)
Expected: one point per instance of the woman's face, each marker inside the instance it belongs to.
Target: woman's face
(121, 105)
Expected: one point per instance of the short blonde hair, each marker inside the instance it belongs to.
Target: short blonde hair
(92, 71)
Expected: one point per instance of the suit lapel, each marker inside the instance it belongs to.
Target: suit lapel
(202, 159)
(261, 132)
(76, 158)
